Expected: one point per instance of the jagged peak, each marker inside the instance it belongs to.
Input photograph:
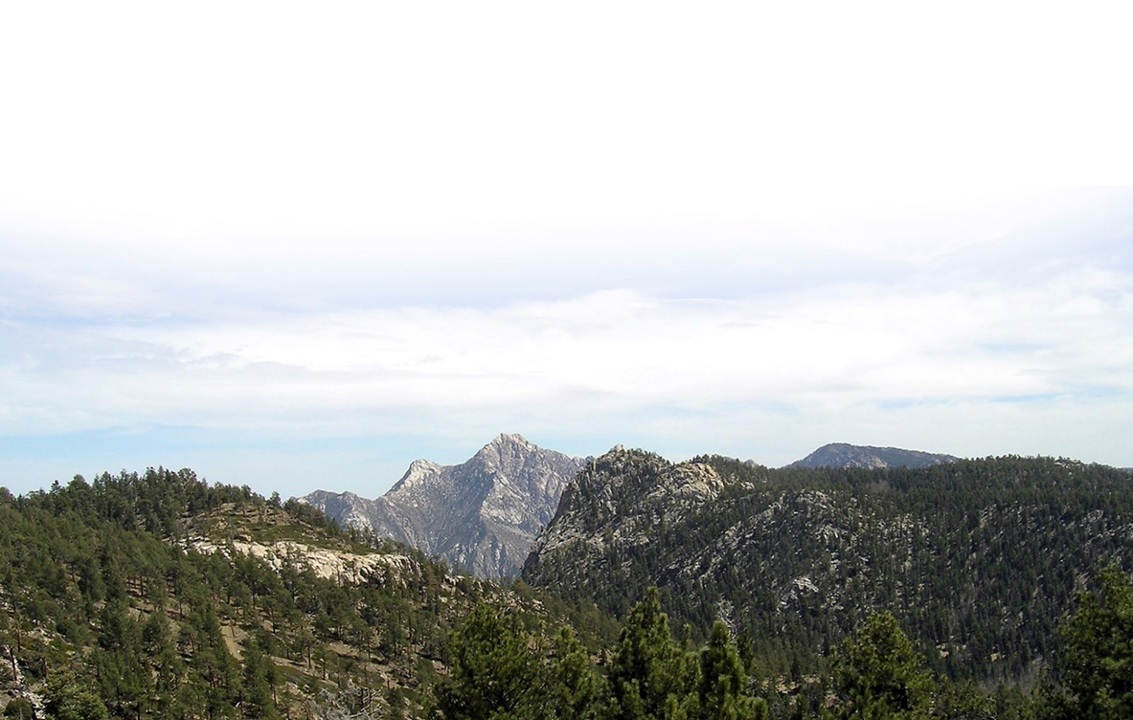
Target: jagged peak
(504, 443)
(418, 470)
(321, 495)
(510, 439)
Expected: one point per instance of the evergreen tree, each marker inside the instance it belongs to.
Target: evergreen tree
(1097, 658)
(66, 698)
(650, 675)
(257, 692)
(494, 675)
(879, 674)
(722, 689)
(577, 691)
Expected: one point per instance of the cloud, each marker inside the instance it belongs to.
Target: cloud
(596, 221)
(818, 351)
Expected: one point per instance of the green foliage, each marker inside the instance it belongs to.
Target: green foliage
(103, 595)
(19, 709)
(879, 674)
(722, 687)
(977, 559)
(501, 669)
(66, 698)
(577, 690)
(1097, 657)
(651, 677)
(111, 612)
(260, 680)
(493, 673)
(965, 701)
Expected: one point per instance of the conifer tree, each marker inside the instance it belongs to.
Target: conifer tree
(69, 699)
(577, 691)
(722, 688)
(879, 674)
(257, 693)
(1097, 658)
(650, 676)
(494, 675)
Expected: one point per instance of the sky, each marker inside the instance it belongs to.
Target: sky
(297, 246)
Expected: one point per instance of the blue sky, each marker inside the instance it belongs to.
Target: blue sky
(299, 247)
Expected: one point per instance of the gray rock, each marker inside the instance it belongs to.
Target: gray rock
(481, 516)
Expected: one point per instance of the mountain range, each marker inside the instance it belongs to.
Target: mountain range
(979, 558)
(481, 516)
(161, 595)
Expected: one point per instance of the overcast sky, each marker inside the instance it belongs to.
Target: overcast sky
(300, 246)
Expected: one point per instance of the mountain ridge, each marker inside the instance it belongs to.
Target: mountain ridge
(978, 557)
(481, 515)
(846, 455)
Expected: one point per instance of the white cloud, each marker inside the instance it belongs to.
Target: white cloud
(820, 352)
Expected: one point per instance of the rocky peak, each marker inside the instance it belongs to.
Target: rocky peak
(481, 515)
(416, 474)
(621, 497)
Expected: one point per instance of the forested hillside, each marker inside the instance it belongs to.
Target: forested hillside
(159, 595)
(792, 594)
(978, 559)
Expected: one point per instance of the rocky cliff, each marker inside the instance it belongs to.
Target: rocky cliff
(481, 516)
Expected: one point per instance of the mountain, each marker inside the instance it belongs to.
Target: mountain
(843, 455)
(978, 559)
(160, 595)
(481, 516)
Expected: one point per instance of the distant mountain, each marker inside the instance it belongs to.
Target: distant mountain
(844, 455)
(481, 516)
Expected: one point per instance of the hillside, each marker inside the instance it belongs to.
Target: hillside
(481, 516)
(978, 559)
(159, 595)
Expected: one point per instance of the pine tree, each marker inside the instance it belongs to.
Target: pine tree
(722, 688)
(650, 676)
(1097, 659)
(879, 674)
(257, 692)
(494, 675)
(69, 699)
(577, 691)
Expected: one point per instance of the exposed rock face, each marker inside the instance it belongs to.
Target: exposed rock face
(620, 500)
(594, 504)
(843, 455)
(482, 515)
(343, 567)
